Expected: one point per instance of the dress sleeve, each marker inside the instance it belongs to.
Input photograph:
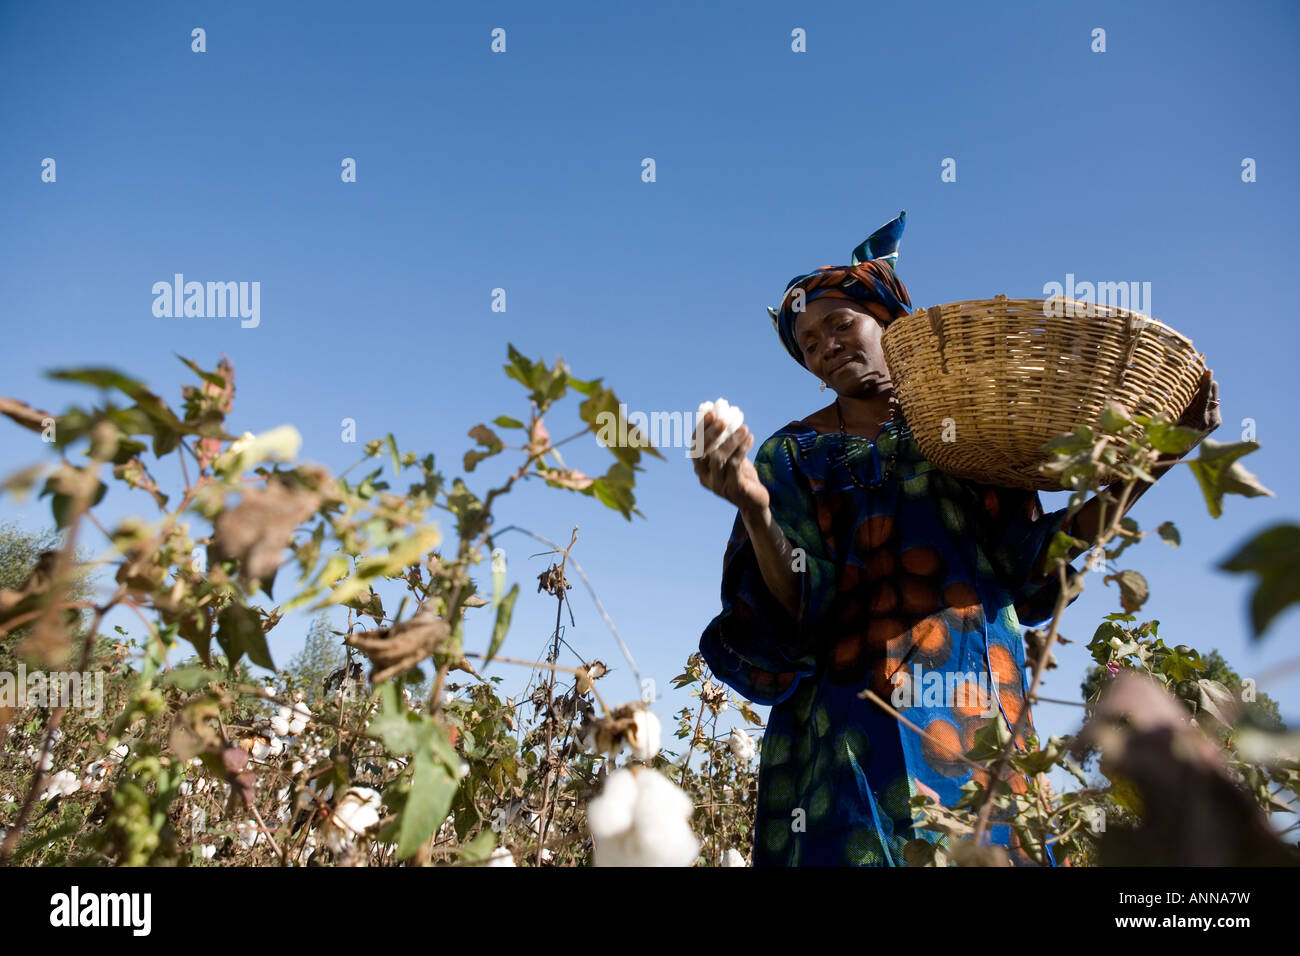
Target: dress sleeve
(1020, 531)
(754, 645)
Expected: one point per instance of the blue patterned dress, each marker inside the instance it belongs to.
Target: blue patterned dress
(924, 573)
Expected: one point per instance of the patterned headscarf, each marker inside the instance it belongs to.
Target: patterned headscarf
(868, 278)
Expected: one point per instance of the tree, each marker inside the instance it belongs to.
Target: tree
(322, 654)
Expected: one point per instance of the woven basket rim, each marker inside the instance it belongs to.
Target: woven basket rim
(1101, 311)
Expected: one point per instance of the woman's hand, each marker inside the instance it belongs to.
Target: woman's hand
(726, 471)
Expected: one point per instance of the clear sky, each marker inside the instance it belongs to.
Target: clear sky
(522, 171)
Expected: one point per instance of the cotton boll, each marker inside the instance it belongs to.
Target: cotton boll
(62, 784)
(734, 858)
(741, 744)
(642, 821)
(248, 834)
(610, 813)
(280, 722)
(356, 813)
(645, 737)
(501, 857)
(729, 415)
(208, 851)
(298, 723)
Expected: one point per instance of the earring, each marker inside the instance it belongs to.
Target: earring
(823, 387)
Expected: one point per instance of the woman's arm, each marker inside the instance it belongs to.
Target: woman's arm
(775, 557)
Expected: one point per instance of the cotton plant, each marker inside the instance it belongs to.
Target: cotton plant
(641, 818)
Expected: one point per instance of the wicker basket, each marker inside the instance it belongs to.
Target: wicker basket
(1003, 377)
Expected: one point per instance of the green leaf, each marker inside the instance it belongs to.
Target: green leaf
(397, 458)
(1273, 556)
(505, 421)
(520, 368)
(504, 611)
(189, 678)
(1061, 546)
(1114, 419)
(1171, 439)
(148, 402)
(432, 790)
(212, 378)
(480, 848)
(1133, 589)
(1219, 473)
(239, 632)
(1169, 534)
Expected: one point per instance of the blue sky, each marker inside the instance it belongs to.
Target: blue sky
(522, 171)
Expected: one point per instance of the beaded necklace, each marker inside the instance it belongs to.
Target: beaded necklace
(897, 413)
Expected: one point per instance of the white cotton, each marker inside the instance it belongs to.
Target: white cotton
(184, 788)
(610, 813)
(501, 857)
(730, 415)
(642, 818)
(208, 851)
(741, 744)
(734, 858)
(645, 737)
(46, 764)
(356, 813)
(119, 752)
(62, 784)
(298, 723)
(280, 722)
(93, 777)
(248, 834)
(261, 749)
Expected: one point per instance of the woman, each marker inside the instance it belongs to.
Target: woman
(854, 563)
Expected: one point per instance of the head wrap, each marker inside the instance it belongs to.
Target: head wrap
(868, 278)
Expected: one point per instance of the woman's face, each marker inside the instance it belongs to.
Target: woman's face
(840, 339)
